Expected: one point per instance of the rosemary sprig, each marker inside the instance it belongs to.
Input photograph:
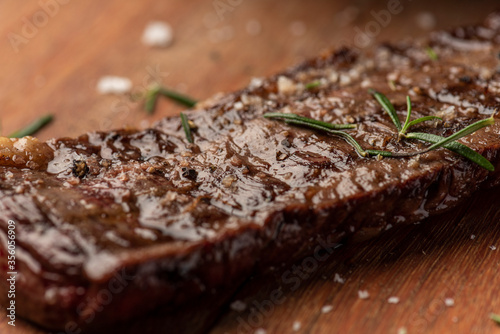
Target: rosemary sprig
(437, 141)
(312, 85)
(295, 117)
(157, 90)
(431, 53)
(33, 127)
(323, 126)
(186, 127)
(446, 142)
(495, 318)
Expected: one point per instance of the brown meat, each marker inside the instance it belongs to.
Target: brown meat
(113, 224)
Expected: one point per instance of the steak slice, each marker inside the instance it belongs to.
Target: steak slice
(113, 224)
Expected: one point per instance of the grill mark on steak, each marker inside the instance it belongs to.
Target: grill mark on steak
(184, 218)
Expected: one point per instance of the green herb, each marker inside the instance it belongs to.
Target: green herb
(495, 318)
(464, 132)
(33, 127)
(151, 98)
(177, 97)
(456, 147)
(295, 117)
(323, 126)
(431, 53)
(388, 107)
(312, 85)
(446, 142)
(409, 124)
(187, 128)
(392, 84)
(449, 143)
(153, 93)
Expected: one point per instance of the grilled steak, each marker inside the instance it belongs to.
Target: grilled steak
(113, 224)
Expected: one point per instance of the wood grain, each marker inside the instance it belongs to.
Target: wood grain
(57, 69)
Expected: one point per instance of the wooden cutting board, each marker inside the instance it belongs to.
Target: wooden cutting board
(53, 54)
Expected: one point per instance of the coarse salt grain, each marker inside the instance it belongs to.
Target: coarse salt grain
(449, 302)
(492, 247)
(326, 308)
(296, 326)
(393, 300)
(238, 106)
(338, 279)
(472, 236)
(114, 85)
(363, 294)
(260, 331)
(402, 330)
(158, 34)
(285, 85)
(238, 306)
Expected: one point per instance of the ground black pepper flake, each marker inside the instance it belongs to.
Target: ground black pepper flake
(465, 79)
(80, 168)
(189, 173)
(285, 142)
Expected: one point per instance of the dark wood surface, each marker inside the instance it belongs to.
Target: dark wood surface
(56, 68)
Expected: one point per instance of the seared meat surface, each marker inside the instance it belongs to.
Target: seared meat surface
(169, 220)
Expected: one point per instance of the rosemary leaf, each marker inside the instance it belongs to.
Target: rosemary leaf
(312, 85)
(392, 84)
(186, 127)
(151, 98)
(177, 97)
(288, 116)
(422, 119)
(495, 318)
(408, 115)
(157, 90)
(33, 127)
(348, 138)
(456, 147)
(431, 53)
(381, 153)
(388, 107)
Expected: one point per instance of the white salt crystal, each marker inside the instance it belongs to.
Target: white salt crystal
(158, 34)
(449, 302)
(326, 308)
(363, 294)
(238, 306)
(338, 279)
(114, 85)
(393, 300)
(296, 326)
